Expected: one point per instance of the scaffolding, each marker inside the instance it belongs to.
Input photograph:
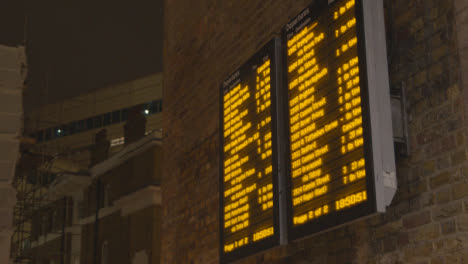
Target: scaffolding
(37, 210)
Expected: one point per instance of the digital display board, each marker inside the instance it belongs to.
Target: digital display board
(330, 156)
(306, 130)
(248, 183)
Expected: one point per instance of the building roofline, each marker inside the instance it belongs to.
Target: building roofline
(131, 150)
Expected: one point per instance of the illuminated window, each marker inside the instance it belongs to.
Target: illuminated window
(94, 122)
(58, 132)
(117, 141)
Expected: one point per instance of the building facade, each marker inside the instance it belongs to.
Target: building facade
(122, 206)
(427, 53)
(12, 75)
(72, 123)
(68, 139)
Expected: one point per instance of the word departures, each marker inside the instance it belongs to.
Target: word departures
(248, 193)
(333, 118)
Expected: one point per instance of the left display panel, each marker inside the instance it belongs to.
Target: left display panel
(249, 204)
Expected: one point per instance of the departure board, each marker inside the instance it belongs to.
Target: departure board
(330, 169)
(248, 183)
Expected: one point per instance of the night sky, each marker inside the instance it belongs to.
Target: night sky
(79, 46)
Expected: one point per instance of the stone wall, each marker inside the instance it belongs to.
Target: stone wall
(428, 220)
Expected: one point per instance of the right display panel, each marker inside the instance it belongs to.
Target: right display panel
(331, 171)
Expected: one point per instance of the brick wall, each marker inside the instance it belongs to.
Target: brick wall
(428, 220)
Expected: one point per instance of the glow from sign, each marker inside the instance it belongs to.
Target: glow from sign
(325, 115)
(247, 211)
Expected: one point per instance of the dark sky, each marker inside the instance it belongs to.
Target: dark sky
(77, 46)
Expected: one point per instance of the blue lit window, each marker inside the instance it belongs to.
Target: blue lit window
(114, 117)
(58, 132)
(146, 108)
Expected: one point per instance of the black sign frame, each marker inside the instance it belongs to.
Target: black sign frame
(272, 49)
(359, 211)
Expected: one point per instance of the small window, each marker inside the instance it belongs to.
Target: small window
(72, 128)
(39, 136)
(107, 119)
(65, 130)
(97, 121)
(48, 134)
(154, 107)
(116, 117)
(58, 132)
(160, 106)
(125, 114)
(80, 126)
(146, 109)
(89, 123)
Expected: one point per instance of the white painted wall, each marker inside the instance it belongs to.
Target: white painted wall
(12, 74)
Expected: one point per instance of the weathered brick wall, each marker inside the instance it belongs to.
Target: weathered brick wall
(427, 222)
